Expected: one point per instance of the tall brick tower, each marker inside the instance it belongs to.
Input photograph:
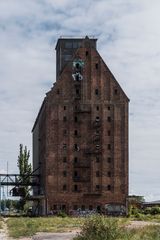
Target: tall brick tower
(80, 137)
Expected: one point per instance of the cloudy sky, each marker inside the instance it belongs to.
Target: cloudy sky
(128, 35)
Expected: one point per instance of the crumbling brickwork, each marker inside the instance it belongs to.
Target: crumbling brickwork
(81, 135)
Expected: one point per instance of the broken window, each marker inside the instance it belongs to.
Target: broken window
(109, 133)
(75, 160)
(76, 147)
(86, 53)
(109, 146)
(64, 187)
(109, 187)
(115, 91)
(75, 119)
(75, 188)
(109, 159)
(64, 107)
(75, 132)
(109, 119)
(96, 65)
(109, 108)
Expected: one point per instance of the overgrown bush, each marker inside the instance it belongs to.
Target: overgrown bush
(99, 228)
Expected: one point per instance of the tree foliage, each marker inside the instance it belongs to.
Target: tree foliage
(25, 170)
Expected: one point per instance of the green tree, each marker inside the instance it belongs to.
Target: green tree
(25, 170)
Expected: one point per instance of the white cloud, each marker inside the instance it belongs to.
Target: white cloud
(129, 37)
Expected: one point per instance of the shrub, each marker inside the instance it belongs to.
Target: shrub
(99, 228)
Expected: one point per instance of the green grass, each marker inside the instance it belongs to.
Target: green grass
(29, 226)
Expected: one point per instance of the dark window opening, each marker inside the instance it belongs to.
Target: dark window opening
(109, 174)
(96, 65)
(115, 91)
(75, 132)
(64, 174)
(63, 207)
(109, 159)
(86, 53)
(76, 107)
(90, 207)
(75, 188)
(109, 187)
(64, 146)
(97, 119)
(75, 207)
(75, 173)
(83, 207)
(97, 187)
(64, 187)
(64, 119)
(97, 159)
(96, 91)
(97, 108)
(54, 207)
(98, 209)
(64, 159)
(75, 119)
(64, 132)
(77, 91)
(109, 146)
(97, 174)
(76, 148)
(75, 160)
(64, 107)
(109, 108)
(109, 119)
(58, 91)
(109, 133)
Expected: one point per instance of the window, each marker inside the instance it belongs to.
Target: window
(109, 133)
(75, 160)
(64, 174)
(86, 53)
(83, 207)
(97, 108)
(64, 132)
(64, 119)
(64, 107)
(96, 65)
(76, 148)
(54, 207)
(97, 159)
(97, 174)
(96, 91)
(63, 207)
(64, 146)
(75, 173)
(97, 187)
(68, 44)
(76, 119)
(109, 187)
(109, 108)
(67, 57)
(97, 119)
(75, 207)
(58, 91)
(77, 91)
(109, 174)
(75, 132)
(64, 187)
(75, 188)
(115, 91)
(109, 159)
(90, 207)
(64, 159)
(109, 119)
(109, 146)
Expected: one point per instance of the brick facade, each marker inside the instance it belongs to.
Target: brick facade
(80, 137)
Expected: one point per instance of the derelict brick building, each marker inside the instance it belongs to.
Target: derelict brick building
(80, 137)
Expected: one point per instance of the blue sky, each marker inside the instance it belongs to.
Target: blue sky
(128, 40)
